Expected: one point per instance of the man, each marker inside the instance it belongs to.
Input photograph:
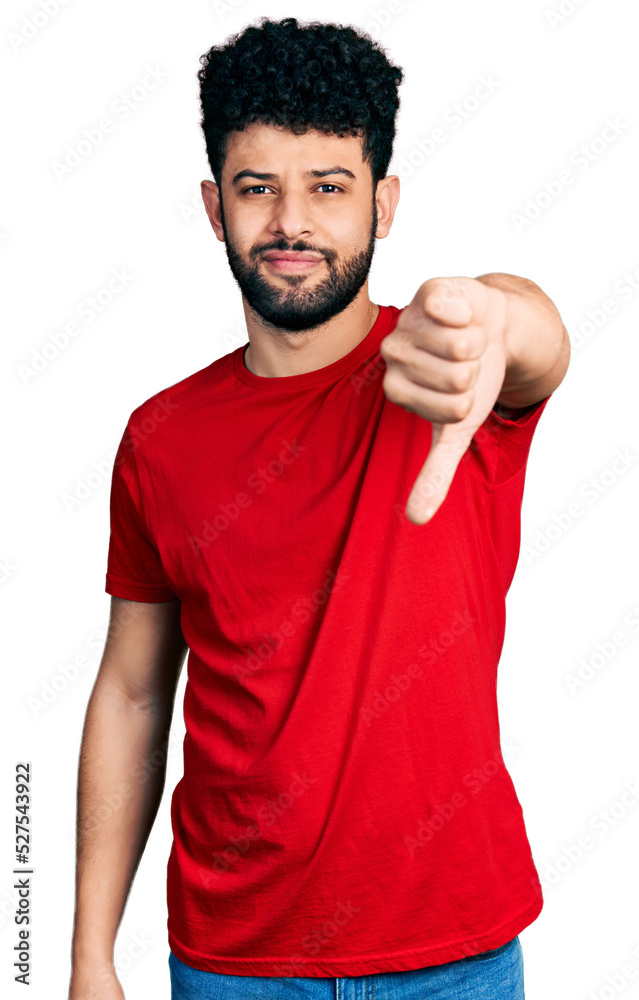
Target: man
(328, 519)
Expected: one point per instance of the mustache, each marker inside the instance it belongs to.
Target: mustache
(298, 247)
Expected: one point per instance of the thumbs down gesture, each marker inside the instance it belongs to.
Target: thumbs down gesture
(446, 361)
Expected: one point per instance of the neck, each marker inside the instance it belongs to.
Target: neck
(273, 352)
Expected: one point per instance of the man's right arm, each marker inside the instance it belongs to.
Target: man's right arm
(127, 726)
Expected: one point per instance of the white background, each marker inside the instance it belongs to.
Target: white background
(133, 203)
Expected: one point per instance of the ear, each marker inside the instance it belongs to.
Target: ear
(386, 199)
(211, 199)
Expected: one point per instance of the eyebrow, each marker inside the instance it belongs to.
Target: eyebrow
(309, 173)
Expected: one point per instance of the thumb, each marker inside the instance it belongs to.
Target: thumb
(431, 486)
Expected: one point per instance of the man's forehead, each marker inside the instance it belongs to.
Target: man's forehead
(278, 142)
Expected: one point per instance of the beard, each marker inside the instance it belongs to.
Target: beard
(298, 308)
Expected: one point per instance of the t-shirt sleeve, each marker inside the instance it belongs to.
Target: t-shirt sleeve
(134, 569)
(500, 447)
(517, 429)
(505, 453)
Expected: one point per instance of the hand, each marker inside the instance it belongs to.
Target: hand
(446, 361)
(95, 981)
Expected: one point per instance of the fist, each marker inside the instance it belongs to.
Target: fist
(446, 361)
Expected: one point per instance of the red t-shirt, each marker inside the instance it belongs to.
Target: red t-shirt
(345, 808)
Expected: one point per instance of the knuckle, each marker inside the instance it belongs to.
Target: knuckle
(389, 384)
(461, 378)
(395, 389)
(459, 348)
(461, 408)
(390, 348)
(436, 287)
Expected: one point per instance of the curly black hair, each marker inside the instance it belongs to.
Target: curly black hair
(300, 75)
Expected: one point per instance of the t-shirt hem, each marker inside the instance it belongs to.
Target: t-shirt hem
(363, 965)
(138, 592)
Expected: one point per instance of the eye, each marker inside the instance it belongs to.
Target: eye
(334, 186)
(255, 187)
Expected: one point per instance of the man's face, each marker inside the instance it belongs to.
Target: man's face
(300, 196)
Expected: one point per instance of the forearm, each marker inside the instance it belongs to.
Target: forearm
(537, 343)
(119, 792)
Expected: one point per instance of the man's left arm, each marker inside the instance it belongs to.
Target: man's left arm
(537, 343)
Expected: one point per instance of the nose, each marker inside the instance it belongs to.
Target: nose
(291, 217)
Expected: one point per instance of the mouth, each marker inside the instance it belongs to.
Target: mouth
(290, 262)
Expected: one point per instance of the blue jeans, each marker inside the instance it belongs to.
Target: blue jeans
(492, 975)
